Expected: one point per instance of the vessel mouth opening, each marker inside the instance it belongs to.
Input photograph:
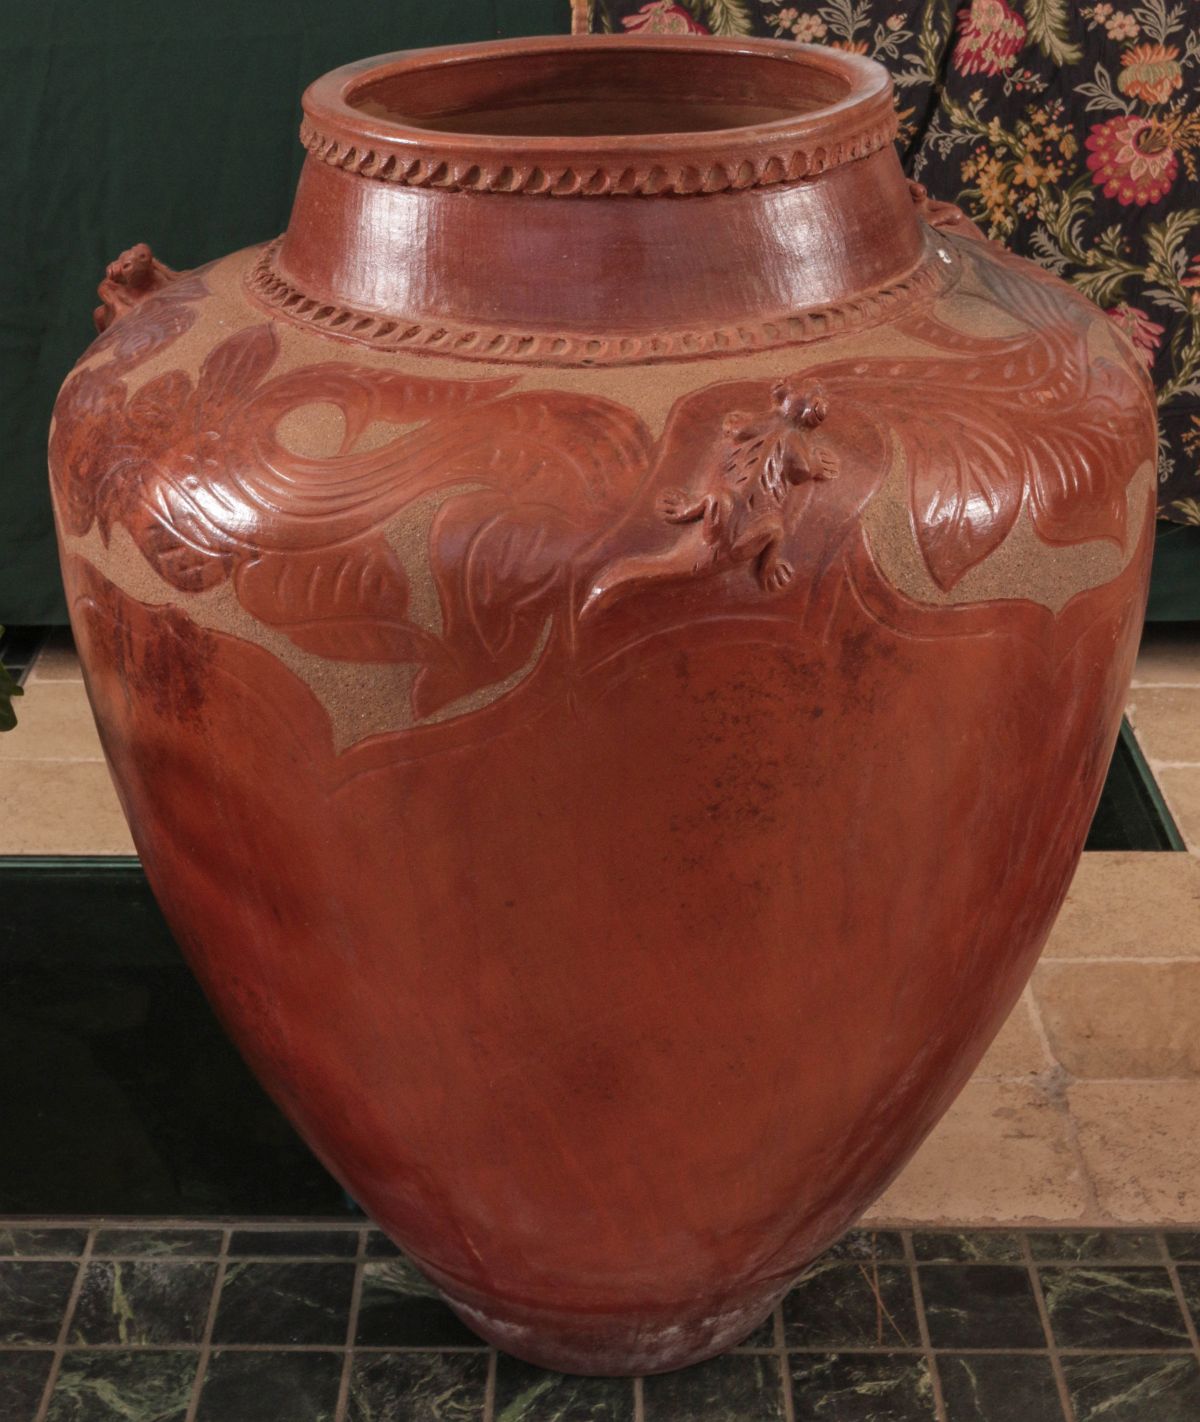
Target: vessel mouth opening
(625, 90)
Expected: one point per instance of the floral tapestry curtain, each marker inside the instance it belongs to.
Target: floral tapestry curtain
(1069, 132)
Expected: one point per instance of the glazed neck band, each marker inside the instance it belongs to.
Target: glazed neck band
(612, 184)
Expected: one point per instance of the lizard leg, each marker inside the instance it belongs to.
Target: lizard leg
(773, 570)
(677, 506)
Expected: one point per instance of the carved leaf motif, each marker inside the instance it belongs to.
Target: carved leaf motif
(349, 603)
(366, 395)
(1074, 493)
(232, 369)
(964, 498)
(89, 410)
(1035, 418)
(177, 546)
(157, 490)
(497, 569)
(153, 412)
(551, 470)
(153, 324)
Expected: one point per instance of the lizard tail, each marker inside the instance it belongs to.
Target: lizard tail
(626, 574)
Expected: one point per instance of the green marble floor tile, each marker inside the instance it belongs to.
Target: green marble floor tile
(737, 1387)
(191, 1243)
(22, 1382)
(1113, 1308)
(968, 1247)
(868, 1244)
(999, 1387)
(852, 1306)
(418, 1387)
(24, 1243)
(528, 1394)
(1184, 1245)
(295, 1243)
(867, 1387)
(267, 1303)
(1134, 1389)
(1096, 1246)
(980, 1306)
(33, 1296)
(148, 1386)
(1189, 1279)
(270, 1387)
(399, 1308)
(143, 1301)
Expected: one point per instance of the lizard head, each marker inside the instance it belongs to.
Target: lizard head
(800, 403)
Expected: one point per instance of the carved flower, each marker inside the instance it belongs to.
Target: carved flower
(90, 400)
(1150, 72)
(1132, 159)
(990, 38)
(661, 17)
(197, 473)
(1145, 334)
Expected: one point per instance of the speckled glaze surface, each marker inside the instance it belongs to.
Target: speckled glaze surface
(609, 636)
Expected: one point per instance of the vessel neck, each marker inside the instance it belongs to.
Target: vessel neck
(605, 184)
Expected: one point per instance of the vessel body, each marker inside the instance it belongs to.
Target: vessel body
(609, 646)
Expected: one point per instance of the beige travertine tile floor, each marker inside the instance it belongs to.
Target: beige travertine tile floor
(1086, 1109)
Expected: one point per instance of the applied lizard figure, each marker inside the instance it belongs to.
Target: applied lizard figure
(738, 515)
(133, 276)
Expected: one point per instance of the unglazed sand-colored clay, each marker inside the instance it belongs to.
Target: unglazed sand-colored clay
(609, 635)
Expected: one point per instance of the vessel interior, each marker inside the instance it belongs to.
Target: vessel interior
(599, 92)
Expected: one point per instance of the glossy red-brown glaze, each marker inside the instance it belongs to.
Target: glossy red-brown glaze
(667, 893)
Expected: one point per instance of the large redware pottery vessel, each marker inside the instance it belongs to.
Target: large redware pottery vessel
(609, 635)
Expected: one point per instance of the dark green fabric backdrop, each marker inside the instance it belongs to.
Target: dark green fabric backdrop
(171, 122)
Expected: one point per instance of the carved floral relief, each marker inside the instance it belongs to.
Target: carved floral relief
(529, 484)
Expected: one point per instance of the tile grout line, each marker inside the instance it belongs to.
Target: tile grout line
(1153, 960)
(356, 1292)
(205, 1351)
(785, 1367)
(489, 1386)
(1049, 1261)
(914, 1281)
(1055, 1090)
(1189, 1322)
(28, 758)
(1039, 1298)
(64, 1332)
(797, 1350)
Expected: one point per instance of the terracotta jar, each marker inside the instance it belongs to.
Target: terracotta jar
(609, 636)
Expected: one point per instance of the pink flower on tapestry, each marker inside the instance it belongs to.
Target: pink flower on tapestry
(1150, 72)
(990, 38)
(661, 17)
(1145, 334)
(808, 29)
(1131, 158)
